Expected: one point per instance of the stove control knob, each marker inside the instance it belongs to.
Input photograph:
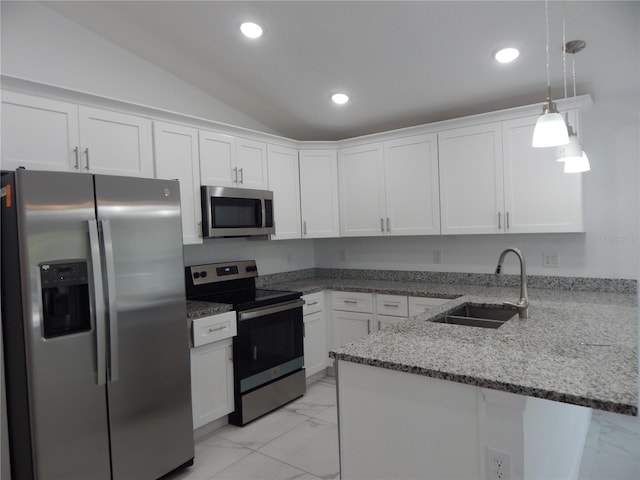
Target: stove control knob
(196, 275)
(203, 274)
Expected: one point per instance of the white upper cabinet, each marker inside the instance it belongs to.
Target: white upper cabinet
(39, 133)
(45, 134)
(361, 181)
(471, 179)
(176, 157)
(228, 161)
(284, 182)
(217, 159)
(412, 202)
(390, 188)
(493, 181)
(538, 195)
(319, 193)
(251, 163)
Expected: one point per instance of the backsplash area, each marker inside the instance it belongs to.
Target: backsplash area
(583, 284)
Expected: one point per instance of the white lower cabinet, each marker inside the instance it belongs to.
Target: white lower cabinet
(353, 316)
(212, 381)
(420, 304)
(212, 368)
(316, 349)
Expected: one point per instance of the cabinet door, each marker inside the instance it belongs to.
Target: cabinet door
(420, 304)
(471, 179)
(411, 186)
(284, 182)
(115, 143)
(350, 326)
(39, 134)
(251, 162)
(217, 159)
(539, 196)
(383, 321)
(176, 157)
(211, 382)
(361, 180)
(316, 352)
(319, 194)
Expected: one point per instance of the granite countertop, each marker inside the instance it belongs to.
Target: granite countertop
(197, 309)
(577, 347)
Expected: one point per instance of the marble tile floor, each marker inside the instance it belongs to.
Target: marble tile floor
(300, 441)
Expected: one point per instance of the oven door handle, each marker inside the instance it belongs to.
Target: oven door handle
(263, 311)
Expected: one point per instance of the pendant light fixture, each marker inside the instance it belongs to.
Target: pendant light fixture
(574, 158)
(550, 130)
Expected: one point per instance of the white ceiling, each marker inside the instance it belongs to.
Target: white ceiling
(402, 63)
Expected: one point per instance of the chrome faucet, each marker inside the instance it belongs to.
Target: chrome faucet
(523, 303)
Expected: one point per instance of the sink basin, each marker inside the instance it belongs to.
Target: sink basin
(473, 315)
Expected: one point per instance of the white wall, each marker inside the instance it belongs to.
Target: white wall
(41, 45)
(271, 256)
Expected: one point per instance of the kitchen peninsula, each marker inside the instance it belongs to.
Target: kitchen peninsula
(457, 401)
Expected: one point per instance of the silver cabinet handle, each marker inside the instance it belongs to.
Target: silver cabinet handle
(311, 304)
(382, 224)
(242, 175)
(217, 329)
(499, 221)
(368, 327)
(507, 221)
(304, 227)
(112, 311)
(101, 331)
(388, 225)
(235, 174)
(394, 305)
(264, 311)
(76, 152)
(86, 152)
(350, 301)
(379, 325)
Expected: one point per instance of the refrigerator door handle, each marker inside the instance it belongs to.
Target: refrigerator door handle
(101, 333)
(112, 310)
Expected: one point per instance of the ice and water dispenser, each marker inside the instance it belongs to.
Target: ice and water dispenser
(65, 298)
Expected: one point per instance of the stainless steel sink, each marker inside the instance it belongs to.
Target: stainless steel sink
(475, 315)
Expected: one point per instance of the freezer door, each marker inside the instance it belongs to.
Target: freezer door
(149, 379)
(67, 406)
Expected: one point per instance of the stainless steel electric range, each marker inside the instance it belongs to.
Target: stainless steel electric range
(268, 355)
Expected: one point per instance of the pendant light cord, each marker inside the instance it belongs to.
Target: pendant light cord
(546, 21)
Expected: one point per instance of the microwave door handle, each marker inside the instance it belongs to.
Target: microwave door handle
(112, 312)
(98, 307)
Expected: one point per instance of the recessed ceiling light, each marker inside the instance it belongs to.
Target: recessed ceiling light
(339, 98)
(507, 55)
(251, 30)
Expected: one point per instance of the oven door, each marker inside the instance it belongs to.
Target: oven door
(269, 343)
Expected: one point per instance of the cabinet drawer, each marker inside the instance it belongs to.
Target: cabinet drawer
(211, 329)
(420, 304)
(352, 301)
(314, 302)
(393, 305)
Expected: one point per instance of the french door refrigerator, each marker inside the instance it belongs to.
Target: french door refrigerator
(94, 326)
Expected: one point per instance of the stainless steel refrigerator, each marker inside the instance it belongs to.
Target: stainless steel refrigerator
(94, 326)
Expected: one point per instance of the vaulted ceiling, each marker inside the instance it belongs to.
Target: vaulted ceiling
(402, 63)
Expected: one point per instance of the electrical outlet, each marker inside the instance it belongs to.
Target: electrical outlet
(551, 260)
(498, 464)
(437, 256)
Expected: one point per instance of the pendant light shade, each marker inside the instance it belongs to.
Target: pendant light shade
(577, 164)
(571, 150)
(551, 129)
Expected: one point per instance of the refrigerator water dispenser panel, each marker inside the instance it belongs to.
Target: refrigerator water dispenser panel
(65, 298)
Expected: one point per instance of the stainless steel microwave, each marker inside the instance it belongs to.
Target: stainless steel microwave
(236, 212)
